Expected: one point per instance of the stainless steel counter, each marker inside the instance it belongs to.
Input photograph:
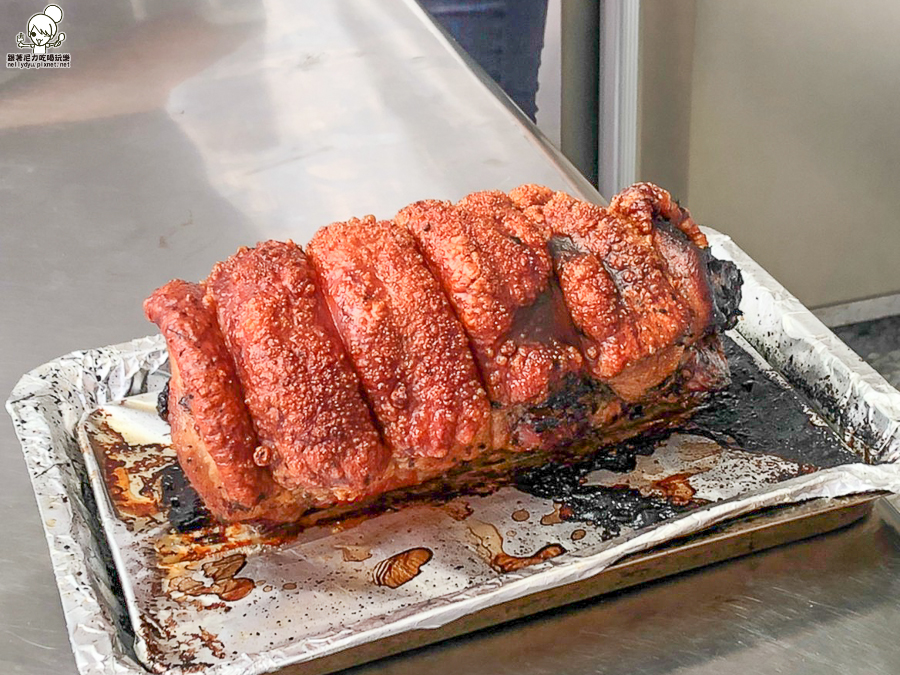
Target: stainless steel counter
(183, 131)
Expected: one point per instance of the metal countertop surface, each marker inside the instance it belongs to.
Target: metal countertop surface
(182, 131)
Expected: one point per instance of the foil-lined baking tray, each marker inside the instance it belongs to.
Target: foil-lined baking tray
(236, 600)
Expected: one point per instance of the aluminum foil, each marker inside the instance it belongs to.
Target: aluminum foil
(854, 398)
(241, 603)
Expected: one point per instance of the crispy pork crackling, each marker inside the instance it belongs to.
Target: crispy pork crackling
(451, 343)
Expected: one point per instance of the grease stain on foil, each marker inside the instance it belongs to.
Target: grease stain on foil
(401, 567)
(520, 515)
(354, 553)
(458, 509)
(555, 517)
(490, 545)
(222, 573)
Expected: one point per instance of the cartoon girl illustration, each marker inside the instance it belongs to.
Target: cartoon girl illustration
(42, 28)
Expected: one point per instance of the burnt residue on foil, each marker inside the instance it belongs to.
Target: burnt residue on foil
(758, 413)
(183, 506)
(609, 508)
(162, 403)
(131, 472)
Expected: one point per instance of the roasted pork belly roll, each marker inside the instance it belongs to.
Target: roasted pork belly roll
(315, 430)
(407, 346)
(212, 432)
(441, 350)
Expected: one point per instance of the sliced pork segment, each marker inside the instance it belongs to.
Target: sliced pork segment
(494, 266)
(407, 346)
(315, 429)
(212, 432)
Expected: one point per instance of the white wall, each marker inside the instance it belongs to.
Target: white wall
(793, 128)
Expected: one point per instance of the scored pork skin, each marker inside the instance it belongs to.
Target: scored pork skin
(492, 264)
(580, 319)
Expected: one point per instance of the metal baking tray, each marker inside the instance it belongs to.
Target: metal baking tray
(234, 600)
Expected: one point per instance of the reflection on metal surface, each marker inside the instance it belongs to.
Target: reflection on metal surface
(888, 509)
(138, 70)
(347, 106)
